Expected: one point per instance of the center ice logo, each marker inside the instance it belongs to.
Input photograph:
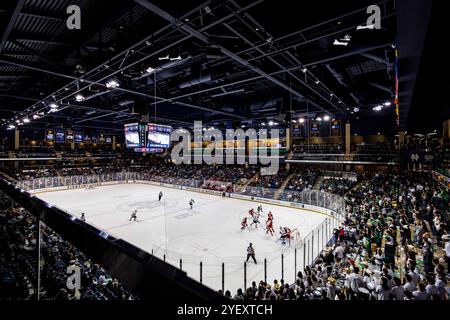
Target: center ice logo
(234, 146)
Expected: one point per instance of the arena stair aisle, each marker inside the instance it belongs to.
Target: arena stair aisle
(318, 183)
(283, 185)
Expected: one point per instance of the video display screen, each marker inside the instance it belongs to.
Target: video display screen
(78, 137)
(60, 136)
(50, 135)
(158, 136)
(132, 135)
(69, 137)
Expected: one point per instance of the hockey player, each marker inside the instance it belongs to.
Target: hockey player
(160, 195)
(83, 217)
(255, 220)
(251, 212)
(259, 209)
(269, 227)
(269, 216)
(191, 203)
(283, 235)
(134, 215)
(244, 223)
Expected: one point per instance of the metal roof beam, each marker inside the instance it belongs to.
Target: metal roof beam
(11, 23)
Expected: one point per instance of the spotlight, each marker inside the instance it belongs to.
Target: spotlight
(356, 109)
(176, 58)
(79, 97)
(304, 70)
(326, 118)
(263, 123)
(317, 81)
(11, 126)
(112, 84)
(319, 119)
(150, 70)
(340, 43)
(35, 116)
(387, 103)
(53, 106)
(301, 120)
(26, 120)
(270, 123)
(377, 108)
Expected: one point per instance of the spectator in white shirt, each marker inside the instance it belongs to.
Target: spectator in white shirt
(414, 276)
(339, 252)
(431, 288)
(398, 290)
(420, 294)
(383, 290)
(409, 285)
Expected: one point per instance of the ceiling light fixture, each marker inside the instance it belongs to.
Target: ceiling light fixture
(340, 43)
(176, 58)
(377, 108)
(112, 84)
(326, 118)
(79, 97)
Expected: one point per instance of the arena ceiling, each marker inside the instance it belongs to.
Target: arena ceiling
(227, 63)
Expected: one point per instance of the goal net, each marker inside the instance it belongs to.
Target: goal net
(294, 238)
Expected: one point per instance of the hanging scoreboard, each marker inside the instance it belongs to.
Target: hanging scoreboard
(132, 136)
(158, 136)
(147, 137)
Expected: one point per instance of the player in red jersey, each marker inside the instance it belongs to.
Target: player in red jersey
(269, 227)
(270, 216)
(251, 212)
(244, 223)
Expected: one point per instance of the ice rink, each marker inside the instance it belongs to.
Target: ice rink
(209, 233)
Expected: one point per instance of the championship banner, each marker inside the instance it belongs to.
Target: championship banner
(296, 131)
(314, 129)
(415, 156)
(50, 135)
(336, 128)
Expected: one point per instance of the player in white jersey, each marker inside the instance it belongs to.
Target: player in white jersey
(191, 203)
(255, 219)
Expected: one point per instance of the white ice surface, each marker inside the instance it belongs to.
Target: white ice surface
(210, 232)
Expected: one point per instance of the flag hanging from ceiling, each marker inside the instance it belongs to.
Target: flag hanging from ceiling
(396, 102)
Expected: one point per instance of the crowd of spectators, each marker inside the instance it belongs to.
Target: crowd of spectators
(338, 186)
(19, 261)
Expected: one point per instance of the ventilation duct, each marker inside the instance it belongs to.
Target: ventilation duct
(195, 81)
